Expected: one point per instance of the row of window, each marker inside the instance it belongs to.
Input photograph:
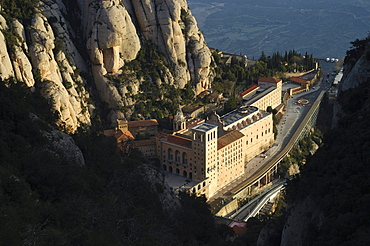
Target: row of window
(178, 156)
(177, 172)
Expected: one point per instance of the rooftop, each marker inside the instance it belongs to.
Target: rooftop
(269, 80)
(228, 138)
(298, 80)
(203, 127)
(119, 135)
(249, 90)
(237, 114)
(145, 142)
(178, 140)
(193, 122)
(143, 123)
(260, 95)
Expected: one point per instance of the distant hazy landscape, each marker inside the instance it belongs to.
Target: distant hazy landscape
(322, 28)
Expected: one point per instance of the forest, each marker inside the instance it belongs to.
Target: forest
(50, 197)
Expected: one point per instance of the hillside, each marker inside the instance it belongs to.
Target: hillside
(57, 189)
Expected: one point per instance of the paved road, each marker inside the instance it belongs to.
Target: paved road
(252, 208)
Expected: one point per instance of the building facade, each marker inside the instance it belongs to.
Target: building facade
(215, 152)
(269, 93)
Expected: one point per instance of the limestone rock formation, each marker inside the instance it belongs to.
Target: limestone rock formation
(65, 148)
(109, 34)
(356, 75)
(112, 29)
(303, 217)
(353, 75)
(21, 64)
(44, 56)
(170, 202)
(170, 25)
(6, 70)
(60, 79)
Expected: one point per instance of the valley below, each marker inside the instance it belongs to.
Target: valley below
(322, 28)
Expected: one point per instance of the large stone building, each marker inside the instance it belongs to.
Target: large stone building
(268, 92)
(215, 152)
(135, 134)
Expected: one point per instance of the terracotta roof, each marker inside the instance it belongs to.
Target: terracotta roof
(228, 139)
(203, 94)
(269, 80)
(298, 80)
(239, 227)
(174, 139)
(214, 95)
(250, 89)
(139, 123)
(119, 135)
(146, 142)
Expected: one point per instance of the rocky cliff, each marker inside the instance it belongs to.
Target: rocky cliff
(66, 50)
(355, 71)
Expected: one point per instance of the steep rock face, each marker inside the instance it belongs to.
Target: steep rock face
(358, 74)
(65, 148)
(170, 25)
(6, 70)
(170, 202)
(116, 30)
(113, 32)
(45, 57)
(60, 81)
(21, 64)
(353, 76)
(303, 220)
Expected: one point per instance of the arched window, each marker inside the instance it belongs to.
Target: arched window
(190, 175)
(170, 154)
(184, 173)
(184, 158)
(177, 171)
(170, 169)
(177, 156)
